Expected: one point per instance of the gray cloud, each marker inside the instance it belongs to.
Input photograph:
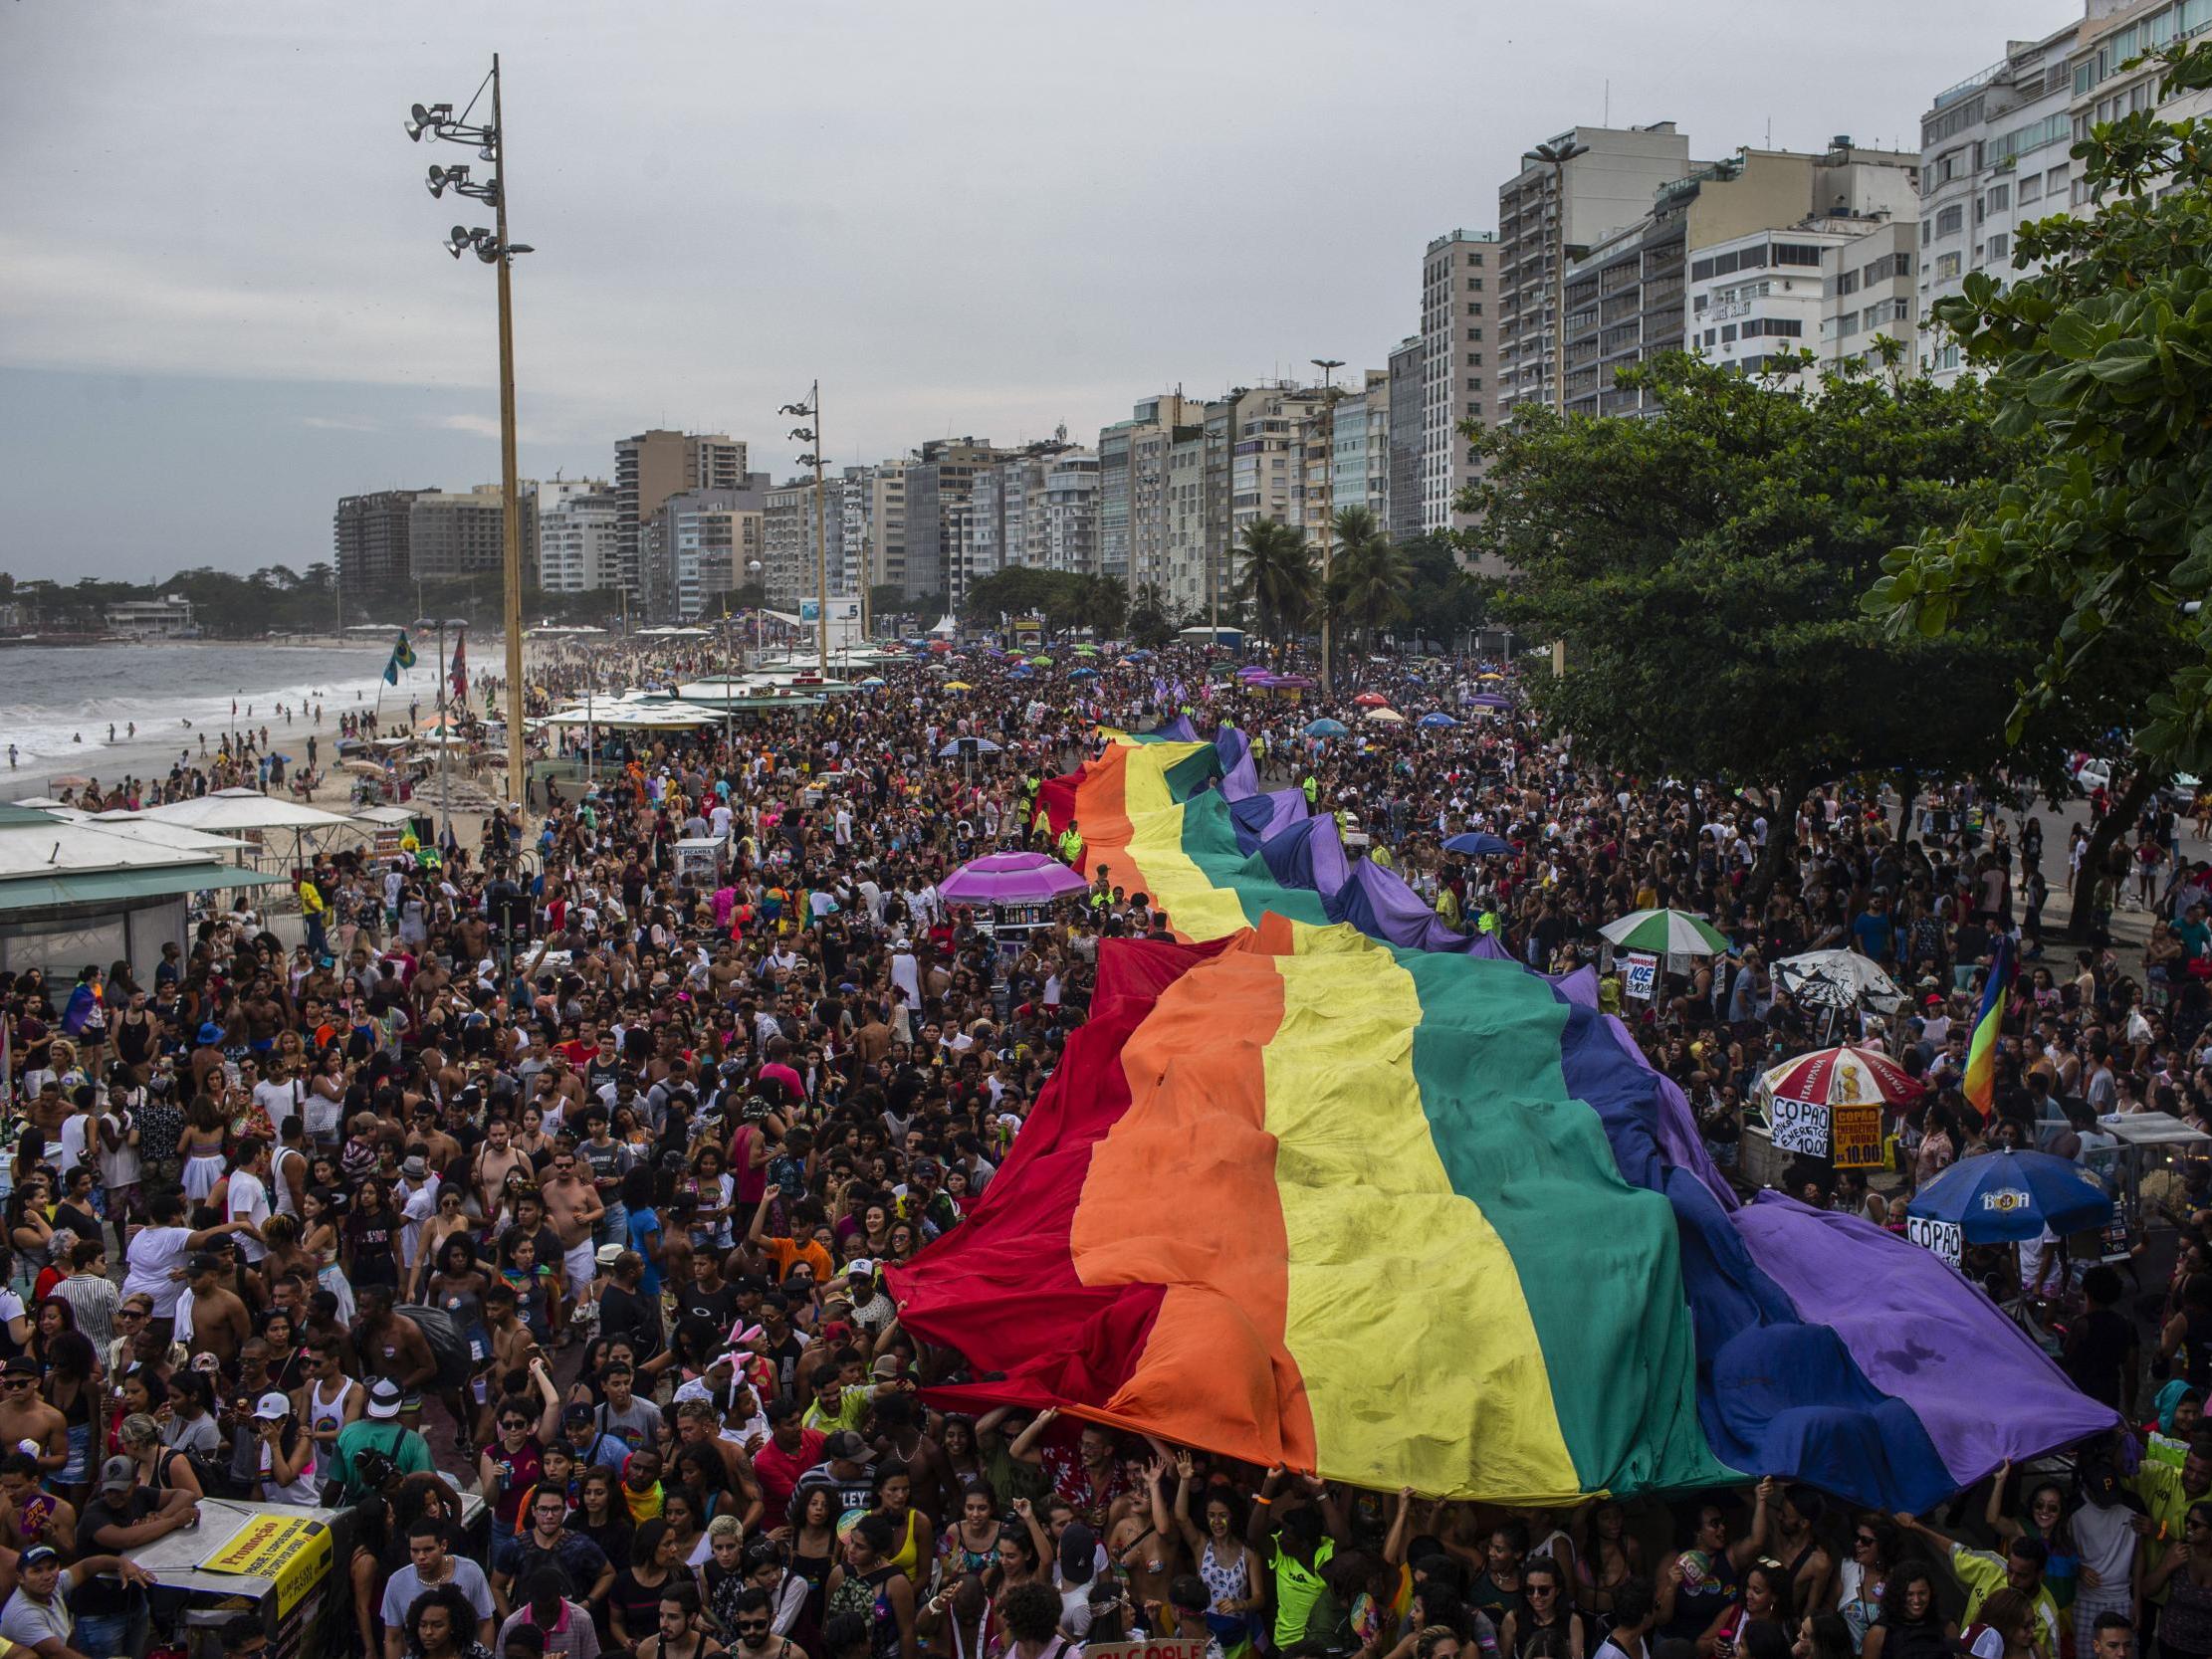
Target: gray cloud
(966, 217)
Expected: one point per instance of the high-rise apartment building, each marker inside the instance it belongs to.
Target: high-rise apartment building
(579, 547)
(1407, 395)
(1458, 380)
(461, 532)
(1133, 461)
(1187, 557)
(1544, 212)
(653, 465)
(1994, 154)
(1070, 540)
(1358, 449)
(873, 501)
(698, 547)
(369, 538)
(937, 481)
(1749, 235)
(794, 571)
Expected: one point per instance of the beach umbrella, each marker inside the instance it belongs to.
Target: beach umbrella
(1389, 717)
(1488, 675)
(1086, 650)
(1040, 661)
(1372, 700)
(1666, 932)
(1011, 878)
(1436, 721)
(967, 745)
(870, 683)
(1326, 729)
(1839, 979)
(1489, 699)
(1140, 656)
(1840, 1077)
(957, 685)
(2008, 1196)
(1083, 674)
(1478, 844)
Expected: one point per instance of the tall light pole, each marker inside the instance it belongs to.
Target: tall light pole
(1328, 367)
(437, 121)
(1556, 156)
(812, 410)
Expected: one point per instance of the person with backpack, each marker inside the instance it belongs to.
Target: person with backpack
(380, 1431)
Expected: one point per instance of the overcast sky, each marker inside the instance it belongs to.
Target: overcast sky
(223, 304)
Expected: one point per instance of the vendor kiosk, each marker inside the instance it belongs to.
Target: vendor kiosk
(283, 1564)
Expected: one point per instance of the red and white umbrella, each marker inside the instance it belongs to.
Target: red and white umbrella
(1372, 700)
(1840, 1077)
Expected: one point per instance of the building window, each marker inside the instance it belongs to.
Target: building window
(1847, 281)
(2000, 197)
(2000, 246)
(1474, 382)
(1727, 334)
(1927, 232)
(1946, 266)
(1950, 221)
(2054, 180)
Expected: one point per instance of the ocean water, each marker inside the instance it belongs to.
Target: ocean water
(58, 702)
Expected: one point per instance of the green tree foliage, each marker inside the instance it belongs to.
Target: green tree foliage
(1705, 570)
(1369, 576)
(1149, 624)
(1065, 599)
(1278, 580)
(2101, 359)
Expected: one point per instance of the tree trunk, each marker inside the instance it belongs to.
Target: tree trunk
(1908, 791)
(1781, 845)
(2142, 782)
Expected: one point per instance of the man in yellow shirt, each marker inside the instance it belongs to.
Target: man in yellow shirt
(1980, 1573)
(312, 910)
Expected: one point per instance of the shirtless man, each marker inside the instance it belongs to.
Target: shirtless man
(495, 1160)
(392, 1345)
(573, 1209)
(220, 1323)
(27, 1421)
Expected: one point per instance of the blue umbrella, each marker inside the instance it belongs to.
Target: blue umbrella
(1084, 674)
(1326, 729)
(1477, 844)
(2009, 1196)
(1438, 721)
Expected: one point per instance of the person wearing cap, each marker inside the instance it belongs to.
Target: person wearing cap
(121, 1516)
(37, 1614)
(378, 1429)
(580, 1427)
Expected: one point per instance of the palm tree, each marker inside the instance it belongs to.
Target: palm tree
(1369, 576)
(1278, 577)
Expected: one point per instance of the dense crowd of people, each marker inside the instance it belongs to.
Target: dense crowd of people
(545, 1175)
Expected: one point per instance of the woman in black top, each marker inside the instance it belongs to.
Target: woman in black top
(633, 1607)
(372, 1236)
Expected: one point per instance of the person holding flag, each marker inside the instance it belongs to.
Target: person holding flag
(460, 670)
(1980, 1080)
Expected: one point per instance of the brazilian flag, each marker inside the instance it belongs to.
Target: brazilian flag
(402, 656)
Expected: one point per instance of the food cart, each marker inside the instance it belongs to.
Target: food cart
(284, 1562)
(700, 861)
(2142, 1172)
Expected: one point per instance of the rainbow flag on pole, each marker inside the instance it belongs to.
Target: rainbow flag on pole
(1981, 1048)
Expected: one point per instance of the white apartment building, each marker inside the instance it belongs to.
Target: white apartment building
(1993, 155)
(1070, 515)
(1456, 376)
(578, 536)
(1186, 513)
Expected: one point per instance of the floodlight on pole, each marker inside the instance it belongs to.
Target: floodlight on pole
(809, 409)
(1556, 156)
(437, 121)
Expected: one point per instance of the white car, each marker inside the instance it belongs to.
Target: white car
(2092, 773)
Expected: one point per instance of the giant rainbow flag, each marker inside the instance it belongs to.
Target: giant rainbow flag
(1325, 1184)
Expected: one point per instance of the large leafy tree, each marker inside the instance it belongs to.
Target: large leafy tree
(1703, 570)
(2099, 356)
(1279, 578)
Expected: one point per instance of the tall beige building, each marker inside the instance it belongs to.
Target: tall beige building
(1458, 379)
(653, 465)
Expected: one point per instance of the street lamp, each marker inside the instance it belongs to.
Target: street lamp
(810, 410)
(1556, 156)
(753, 572)
(1328, 367)
(437, 121)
